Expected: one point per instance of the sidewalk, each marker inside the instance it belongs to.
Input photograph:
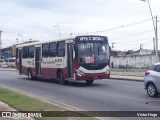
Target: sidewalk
(134, 75)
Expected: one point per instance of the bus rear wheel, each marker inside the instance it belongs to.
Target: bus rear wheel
(61, 79)
(89, 81)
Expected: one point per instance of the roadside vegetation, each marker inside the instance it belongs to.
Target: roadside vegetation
(25, 103)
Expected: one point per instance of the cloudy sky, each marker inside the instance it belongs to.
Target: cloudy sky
(127, 23)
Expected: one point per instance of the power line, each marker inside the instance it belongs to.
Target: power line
(148, 43)
(116, 28)
(131, 35)
(144, 44)
(133, 40)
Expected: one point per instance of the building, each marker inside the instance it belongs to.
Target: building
(10, 52)
(7, 52)
(132, 52)
(142, 58)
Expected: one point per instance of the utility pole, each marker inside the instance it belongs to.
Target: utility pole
(154, 45)
(0, 44)
(156, 35)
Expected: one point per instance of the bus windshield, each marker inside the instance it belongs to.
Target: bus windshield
(93, 52)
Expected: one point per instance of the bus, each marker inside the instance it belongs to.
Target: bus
(76, 58)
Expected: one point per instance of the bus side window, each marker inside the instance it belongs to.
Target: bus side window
(61, 49)
(25, 52)
(45, 50)
(52, 49)
(31, 52)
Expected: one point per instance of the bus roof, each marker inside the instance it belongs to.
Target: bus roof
(54, 40)
(41, 42)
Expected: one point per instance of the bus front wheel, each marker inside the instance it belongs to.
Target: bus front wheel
(61, 79)
(89, 81)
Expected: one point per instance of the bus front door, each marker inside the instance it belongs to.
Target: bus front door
(20, 61)
(38, 61)
(70, 60)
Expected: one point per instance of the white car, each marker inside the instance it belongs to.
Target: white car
(3, 64)
(152, 80)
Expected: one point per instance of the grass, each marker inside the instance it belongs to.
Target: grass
(25, 103)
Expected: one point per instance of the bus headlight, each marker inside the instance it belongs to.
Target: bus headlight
(80, 73)
(108, 71)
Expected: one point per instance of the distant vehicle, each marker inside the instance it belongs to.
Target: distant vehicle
(3, 63)
(152, 80)
(11, 62)
(76, 58)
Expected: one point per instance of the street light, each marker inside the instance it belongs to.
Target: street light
(58, 30)
(21, 37)
(150, 12)
(155, 29)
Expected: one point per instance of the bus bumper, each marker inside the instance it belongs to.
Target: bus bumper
(92, 76)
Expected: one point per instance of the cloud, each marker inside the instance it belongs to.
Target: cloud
(36, 18)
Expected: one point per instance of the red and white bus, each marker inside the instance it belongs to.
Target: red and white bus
(78, 58)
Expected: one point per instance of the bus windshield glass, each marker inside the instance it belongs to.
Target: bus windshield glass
(93, 52)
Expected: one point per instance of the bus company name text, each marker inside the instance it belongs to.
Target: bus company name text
(30, 62)
(53, 62)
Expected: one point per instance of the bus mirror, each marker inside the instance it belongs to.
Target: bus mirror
(80, 59)
(110, 49)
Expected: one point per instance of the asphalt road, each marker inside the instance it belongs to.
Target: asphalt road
(103, 95)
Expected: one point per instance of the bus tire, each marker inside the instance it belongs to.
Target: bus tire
(30, 75)
(89, 82)
(61, 79)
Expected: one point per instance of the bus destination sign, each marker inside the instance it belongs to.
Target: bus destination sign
(91, 38)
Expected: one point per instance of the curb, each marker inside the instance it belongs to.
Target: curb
(127, 78)
(7, 69)
(124, 79)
